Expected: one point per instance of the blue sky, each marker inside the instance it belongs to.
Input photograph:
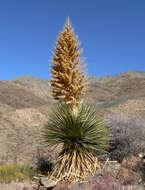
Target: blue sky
(112, 33)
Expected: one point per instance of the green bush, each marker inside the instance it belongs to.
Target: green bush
(15, 172)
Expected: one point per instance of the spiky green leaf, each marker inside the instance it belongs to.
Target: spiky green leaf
(86, 131)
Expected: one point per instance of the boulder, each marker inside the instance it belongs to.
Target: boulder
(46, 184)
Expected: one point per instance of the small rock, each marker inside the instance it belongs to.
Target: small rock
(48, 183)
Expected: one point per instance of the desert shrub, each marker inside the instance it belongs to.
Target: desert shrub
(15, 172)
(128, 136)
(107, 181)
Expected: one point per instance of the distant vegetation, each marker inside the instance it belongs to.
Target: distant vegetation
(128, 136)
(15, 172)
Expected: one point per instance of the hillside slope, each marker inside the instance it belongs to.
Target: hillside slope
(26, 101)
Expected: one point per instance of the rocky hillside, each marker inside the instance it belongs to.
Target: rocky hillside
(40, 87)
(121, 94)
(26, 101)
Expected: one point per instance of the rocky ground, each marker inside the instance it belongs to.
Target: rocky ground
(128, 175)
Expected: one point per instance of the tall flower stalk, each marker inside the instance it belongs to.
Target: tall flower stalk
(68, 79)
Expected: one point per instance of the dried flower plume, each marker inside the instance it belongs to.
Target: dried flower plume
(68, 79)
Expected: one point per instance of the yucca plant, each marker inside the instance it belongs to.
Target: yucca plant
(80, 135)
(74, 125)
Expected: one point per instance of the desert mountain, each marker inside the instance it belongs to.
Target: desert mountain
(26, 101)
(40, 87)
